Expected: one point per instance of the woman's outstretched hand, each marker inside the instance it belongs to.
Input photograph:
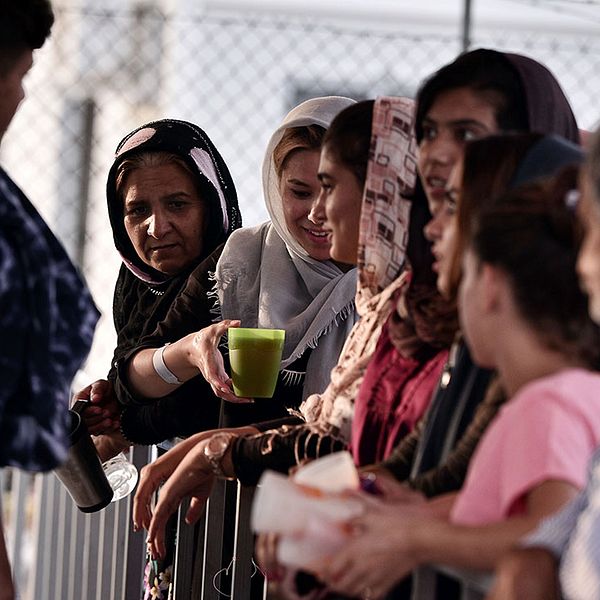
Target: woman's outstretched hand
(153, 475)
(206, 357)
(194, 478)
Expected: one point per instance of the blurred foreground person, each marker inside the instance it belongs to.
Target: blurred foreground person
(47, 316)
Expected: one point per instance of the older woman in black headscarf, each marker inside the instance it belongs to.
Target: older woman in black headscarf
(172, 204)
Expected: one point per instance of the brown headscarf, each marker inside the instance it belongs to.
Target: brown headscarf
(534, 100)
(547, 107)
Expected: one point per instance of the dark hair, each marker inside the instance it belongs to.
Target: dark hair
(490, 164)
(433, 317)
(592, 164)
(348, 138)
(306, 137)
(24, 25)
(496, 164)
(534, 237)
(489, 74)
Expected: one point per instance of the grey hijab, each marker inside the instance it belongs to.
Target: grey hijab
(265, 278)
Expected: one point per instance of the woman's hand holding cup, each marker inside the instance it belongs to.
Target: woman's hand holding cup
(206, 357)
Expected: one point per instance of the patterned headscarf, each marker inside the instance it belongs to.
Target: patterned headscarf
(383, 242)
(385, 213)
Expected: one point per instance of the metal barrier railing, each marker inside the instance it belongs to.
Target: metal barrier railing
(219, 563)
(59, 552)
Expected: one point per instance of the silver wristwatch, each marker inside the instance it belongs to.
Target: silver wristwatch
(215, 449)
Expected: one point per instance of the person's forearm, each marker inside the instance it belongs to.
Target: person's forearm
(441, 506)
(145, 381)
(479, 548)
(187, 444)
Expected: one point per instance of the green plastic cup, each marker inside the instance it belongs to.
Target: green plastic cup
(255, 358)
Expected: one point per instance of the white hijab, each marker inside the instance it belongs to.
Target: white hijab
(265, 278)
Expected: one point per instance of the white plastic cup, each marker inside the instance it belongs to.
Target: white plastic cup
(333, 473)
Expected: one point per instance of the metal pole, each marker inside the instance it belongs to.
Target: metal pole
(466, 29)
(88, 110)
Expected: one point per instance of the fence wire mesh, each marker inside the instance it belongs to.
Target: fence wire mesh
(106, 71)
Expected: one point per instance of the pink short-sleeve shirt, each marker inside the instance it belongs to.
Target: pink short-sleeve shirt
(547, 431)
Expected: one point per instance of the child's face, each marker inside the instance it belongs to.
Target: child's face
(588, 263)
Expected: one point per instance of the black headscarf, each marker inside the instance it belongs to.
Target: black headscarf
(144, 295)
(548, 110)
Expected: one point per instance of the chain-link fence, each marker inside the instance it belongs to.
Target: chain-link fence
(105, 71)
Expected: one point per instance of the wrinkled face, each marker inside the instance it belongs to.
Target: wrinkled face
(441, 231)
(299, 188)
(588, 262)
(11, 89)
(164, 217)
(473, 300)
(455, 117)
(341, 198)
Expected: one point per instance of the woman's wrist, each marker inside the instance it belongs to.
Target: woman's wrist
(188, 348)
(179, 359)
(216, 454)
(419, 537)
(427, 540)
(227, 462)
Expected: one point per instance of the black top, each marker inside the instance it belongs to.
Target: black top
(280, 449)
